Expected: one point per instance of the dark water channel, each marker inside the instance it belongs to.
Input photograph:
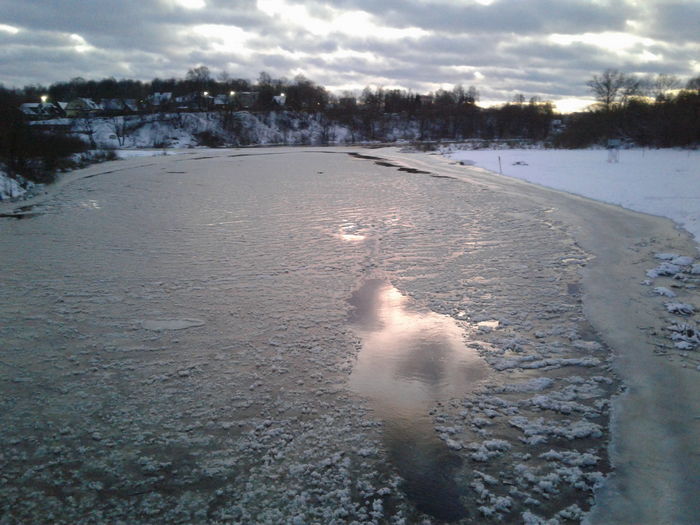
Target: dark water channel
(410, 359)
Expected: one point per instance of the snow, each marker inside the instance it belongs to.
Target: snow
(665, 268)
(659, 182)
(662, 290)
(11, 188)
(189, 130)
(680, 308)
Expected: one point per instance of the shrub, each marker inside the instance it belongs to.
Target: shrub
(209, 139)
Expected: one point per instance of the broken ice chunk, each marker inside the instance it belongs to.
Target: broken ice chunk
(682, 260)
(680, 308)
(665, 268)
(662, 290)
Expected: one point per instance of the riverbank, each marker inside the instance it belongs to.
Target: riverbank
(654, 421)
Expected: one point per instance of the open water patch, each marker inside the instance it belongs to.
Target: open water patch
(19, 216)
(410, 359)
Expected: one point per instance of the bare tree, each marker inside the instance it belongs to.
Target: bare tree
(85, 126)
(613, 88)
(199, 77)
(663, 84)
(120, 127)
(693, 84)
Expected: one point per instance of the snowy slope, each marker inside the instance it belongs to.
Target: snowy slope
(11, 188)
(182, 130)
(660, 182)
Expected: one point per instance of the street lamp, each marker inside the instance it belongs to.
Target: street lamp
(232, 94)
(44, 98)
(206, 93)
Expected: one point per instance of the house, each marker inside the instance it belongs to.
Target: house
(159, 99)
(557, 126)
(118, 106)
(189, 101)
(82, 107)
(40, 110)
(246, 99)
(280, 99)
(221, 100)
(426, 100)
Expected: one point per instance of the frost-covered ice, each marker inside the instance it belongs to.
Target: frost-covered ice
(680, 308)
(662, 290)
(186, 357)
(660, 182)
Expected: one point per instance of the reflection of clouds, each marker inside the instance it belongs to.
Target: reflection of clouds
(409, 357)
(348, 232)
(91, 204)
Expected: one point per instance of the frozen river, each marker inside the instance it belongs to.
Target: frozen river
(295, 336)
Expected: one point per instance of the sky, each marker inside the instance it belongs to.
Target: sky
(544, 48)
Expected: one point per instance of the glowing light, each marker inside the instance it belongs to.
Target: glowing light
(608, 39)
(80, 44)
(572, 105)
(9, 29)
(355, 23)
(224, 38)
(191, 4)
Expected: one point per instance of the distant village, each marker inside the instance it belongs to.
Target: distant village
(82, 107)
(630, 109)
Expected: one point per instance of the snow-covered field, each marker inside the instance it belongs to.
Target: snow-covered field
(664, 182)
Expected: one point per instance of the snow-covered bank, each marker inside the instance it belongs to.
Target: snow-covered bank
(660, 182)
(187, 130)
(13, 188)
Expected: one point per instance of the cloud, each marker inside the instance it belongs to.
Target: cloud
(547, 48)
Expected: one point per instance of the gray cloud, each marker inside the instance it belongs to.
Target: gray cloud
(505, 41)
(675, 21)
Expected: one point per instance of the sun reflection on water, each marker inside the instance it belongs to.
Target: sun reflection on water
(410, 357)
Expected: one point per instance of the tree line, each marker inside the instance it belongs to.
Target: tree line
(656, 111)
(659, 111)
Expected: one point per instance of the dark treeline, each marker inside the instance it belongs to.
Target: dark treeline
(650, 112)
(646, 111)
(445, 114)
(657, 112)
(27, 152)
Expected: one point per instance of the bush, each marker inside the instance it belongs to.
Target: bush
(209, 139)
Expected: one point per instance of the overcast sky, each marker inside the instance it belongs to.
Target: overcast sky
(547, 48)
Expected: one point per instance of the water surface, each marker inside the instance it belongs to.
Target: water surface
(410, 359)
